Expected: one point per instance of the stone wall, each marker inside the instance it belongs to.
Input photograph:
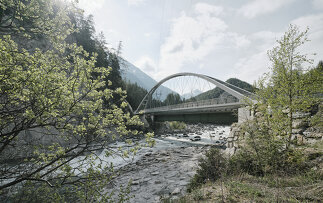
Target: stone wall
(303, 131)
(244, 114)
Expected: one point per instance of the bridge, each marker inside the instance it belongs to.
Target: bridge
(227, 108)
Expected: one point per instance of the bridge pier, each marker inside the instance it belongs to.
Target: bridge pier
(144, 120)
(244, 114)
(152, 118)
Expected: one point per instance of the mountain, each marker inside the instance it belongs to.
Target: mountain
(242, 84)
(133, 74)
(217, 92)
(191, 94)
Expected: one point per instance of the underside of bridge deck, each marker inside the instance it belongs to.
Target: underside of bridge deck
(215, 117)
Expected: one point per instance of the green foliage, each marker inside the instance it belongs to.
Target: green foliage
(177, 125)
(211, 168)
(172, 99)
(53, 116)
(85, 37)
(216, 92)
(32, 18)
(135, 94)
(260, 156)
(238, 189)
(197, 195)
(286, 90)
(241, 84)
(290, 87)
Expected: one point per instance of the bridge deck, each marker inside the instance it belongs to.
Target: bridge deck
(193, 107)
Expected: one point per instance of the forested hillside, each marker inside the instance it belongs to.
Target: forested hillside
(217, 92)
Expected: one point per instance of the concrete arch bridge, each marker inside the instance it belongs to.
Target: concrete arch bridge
(176, 107)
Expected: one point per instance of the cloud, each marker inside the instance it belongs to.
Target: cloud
(314, 22)
(90, 6)
(135, 2)
(317, 4)
(252, 66)
(146, 64)
(315, 35)
(193, 38)
(261, 7)
(208, 9)
(148, 34)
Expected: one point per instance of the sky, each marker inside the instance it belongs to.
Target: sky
(220, 38)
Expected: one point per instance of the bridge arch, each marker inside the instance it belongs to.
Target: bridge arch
(233, 90)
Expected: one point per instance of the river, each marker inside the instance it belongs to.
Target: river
(166, 169)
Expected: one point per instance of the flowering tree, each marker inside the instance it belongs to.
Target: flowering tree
(52, 117)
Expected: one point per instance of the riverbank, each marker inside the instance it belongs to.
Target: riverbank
(160, 174)
(165, 170)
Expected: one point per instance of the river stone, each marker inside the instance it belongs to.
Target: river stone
(135, 178)
(171, 174)
(147, 154)
(146, 197)
(146, 179)
(155, 173)
(183, 183)
(135, 188)
(185, 155)
(176, 191)
(300, 139)
(158, 182)
(313, 135)
(163, 191)
(164, 154)
(171, 182)
(301, 115)
(297, 131)
(160, 159)
(299, 123)
(136, 182)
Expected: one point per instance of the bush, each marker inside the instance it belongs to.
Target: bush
(291, 161)
(177, 125)
(264, 158)
(212, 167)
(245, 161)
(264, 153)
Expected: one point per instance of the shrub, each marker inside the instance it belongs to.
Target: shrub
(177, 125)
(212, 167)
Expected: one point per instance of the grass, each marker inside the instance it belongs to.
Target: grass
(296, 177)
(247, 188)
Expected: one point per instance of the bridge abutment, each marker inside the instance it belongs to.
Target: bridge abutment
(244, 114)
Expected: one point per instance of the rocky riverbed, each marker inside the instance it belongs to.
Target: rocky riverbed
(161, 174)
(166, 169)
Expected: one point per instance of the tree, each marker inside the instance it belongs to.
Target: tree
(287, 89)
(35, 19)
(85, 37)
(290, 88)
(52, 117)
(172, 98)
(135, 94)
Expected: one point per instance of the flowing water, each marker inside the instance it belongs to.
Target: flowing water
(166, 169)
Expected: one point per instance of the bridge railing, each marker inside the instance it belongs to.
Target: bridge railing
(201, 103)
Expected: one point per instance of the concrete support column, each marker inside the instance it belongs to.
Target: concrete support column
(244, 114)
(144, 120)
